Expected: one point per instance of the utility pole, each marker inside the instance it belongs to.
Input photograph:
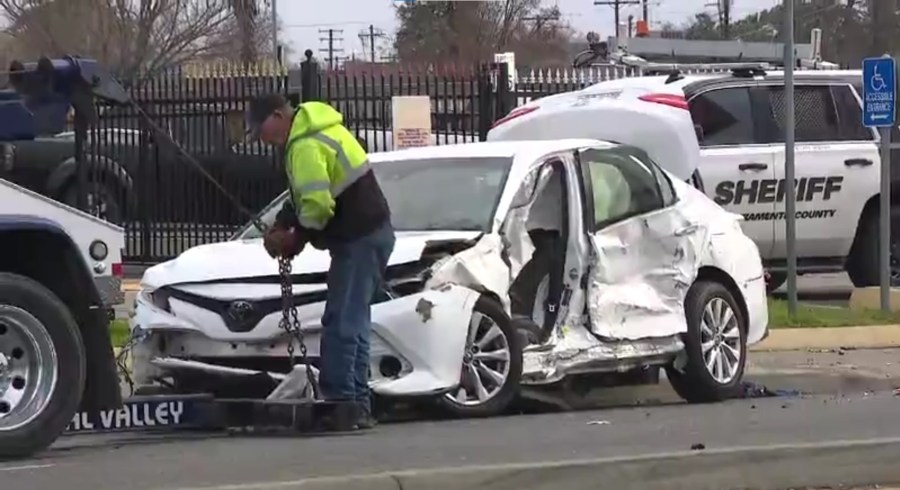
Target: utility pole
(726, 19)
(646, 7)
(333, 36)
(368, 40)
(617, 6)
(275, 51)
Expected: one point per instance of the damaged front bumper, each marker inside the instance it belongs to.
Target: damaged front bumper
(416, 344)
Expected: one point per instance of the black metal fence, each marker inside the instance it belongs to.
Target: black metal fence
(138, 179)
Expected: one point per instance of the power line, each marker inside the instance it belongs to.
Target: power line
(617, 6)
(367, 37)
(334, 35)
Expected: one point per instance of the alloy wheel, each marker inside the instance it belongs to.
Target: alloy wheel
(486, 363)
(720, 340)
(28, 372)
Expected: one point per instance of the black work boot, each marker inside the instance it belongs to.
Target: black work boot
(365, 419)
(343, 416)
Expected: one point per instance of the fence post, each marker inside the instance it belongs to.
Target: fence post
(505, 94)
(309, 78)
(486, 103)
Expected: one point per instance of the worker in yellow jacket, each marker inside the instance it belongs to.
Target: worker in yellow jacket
(337, 205)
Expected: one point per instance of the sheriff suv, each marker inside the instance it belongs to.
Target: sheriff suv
(739, 118)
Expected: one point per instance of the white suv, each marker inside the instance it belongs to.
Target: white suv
(739, 122)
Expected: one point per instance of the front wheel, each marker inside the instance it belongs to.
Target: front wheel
(491, 367)
(715, 346)
(42, 366)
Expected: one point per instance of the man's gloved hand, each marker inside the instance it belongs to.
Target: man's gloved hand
(282, 242)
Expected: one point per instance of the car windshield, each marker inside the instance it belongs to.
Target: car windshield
(459, 194)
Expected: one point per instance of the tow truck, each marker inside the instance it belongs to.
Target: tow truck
(60, 274)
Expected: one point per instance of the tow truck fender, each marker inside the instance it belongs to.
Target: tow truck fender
(102, 384)
(66, 173)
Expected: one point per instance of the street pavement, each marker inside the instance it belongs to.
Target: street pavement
(852, 398)
(114, 463)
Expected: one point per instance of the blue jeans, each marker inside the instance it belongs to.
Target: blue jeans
(356, 273)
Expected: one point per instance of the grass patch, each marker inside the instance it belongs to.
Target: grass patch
(119, 332)
(826, 316)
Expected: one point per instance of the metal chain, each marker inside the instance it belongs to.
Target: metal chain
(291, 324)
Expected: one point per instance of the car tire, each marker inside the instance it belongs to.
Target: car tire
(863, 265)
(106, 194)
(487, 315)
(695, 382)
(28, 306)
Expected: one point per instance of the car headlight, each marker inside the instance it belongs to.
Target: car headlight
(98, 250)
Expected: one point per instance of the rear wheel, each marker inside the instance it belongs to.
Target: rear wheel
(715, 346)
(863, 265)
(491, 367)
(42, 366)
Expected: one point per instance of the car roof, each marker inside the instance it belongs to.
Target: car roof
(659, 81)
(524, 151)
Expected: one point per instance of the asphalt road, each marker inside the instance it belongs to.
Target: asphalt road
(104, 462)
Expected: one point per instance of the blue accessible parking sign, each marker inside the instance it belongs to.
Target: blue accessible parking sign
(879, 92)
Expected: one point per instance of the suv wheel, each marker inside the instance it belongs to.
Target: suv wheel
(863, 265)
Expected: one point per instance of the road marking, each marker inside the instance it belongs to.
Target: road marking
(26, 467)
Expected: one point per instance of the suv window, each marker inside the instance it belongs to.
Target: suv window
(622, 185)
(850, 115)
(815, 115)
(725, 117)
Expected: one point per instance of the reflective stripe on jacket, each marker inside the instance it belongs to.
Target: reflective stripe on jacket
(324, 162)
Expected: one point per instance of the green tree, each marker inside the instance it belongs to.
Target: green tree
(852, 30)
(470, 32)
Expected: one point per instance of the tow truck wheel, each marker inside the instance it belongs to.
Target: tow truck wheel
(715, 346)
(42, 366)
(491, 367)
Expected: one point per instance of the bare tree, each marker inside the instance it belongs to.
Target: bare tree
(132, 37)
(468, 32)
(246, 14)
(232, 42)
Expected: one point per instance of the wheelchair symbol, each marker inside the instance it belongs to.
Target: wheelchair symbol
(877, 82)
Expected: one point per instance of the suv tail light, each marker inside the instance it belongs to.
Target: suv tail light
(671, 100)
(513, 114)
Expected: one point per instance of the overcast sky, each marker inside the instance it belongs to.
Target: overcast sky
(303, 19)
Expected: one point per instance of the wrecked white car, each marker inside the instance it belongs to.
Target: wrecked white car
(517, 264)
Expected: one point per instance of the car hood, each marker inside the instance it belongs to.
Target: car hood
(241, 259)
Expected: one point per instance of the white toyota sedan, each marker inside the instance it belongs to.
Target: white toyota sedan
(517, 265)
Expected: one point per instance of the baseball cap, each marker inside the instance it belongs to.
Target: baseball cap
(260, 109)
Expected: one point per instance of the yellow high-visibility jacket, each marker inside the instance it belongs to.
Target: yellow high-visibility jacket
(332, 185)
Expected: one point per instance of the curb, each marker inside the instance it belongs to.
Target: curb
(868, 337)
(795, 466)
(131, 285)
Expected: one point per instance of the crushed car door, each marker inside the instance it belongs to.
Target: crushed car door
(645, 249)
